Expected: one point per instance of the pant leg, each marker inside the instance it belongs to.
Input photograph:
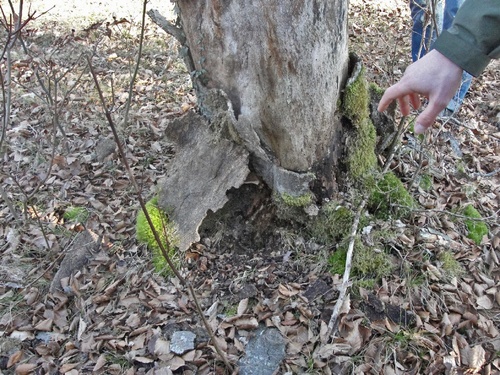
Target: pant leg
(424, 27)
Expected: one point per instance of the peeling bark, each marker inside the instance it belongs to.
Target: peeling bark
(268, 77)
(206, 165)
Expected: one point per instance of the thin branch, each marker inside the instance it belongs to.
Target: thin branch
(167, 26)
(394, 142)
(163, 248)
(421, 151)
(136, 69)
(9, 204)
(333, 323)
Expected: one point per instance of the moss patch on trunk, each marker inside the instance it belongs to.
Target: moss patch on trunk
(361, 160)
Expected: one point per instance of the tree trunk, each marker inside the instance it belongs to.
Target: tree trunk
(277, 70)
(282, 65)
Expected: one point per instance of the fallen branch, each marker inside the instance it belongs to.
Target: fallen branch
(167, 26)
(333, 323)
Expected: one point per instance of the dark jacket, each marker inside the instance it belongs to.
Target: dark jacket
(474, 38)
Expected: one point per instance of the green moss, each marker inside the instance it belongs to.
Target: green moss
(365, 283)
(450, 265)
(165, 230)
(477, 229)
(426, 182)
(390, 198)
(375, 90)
(367, 263)
(231, 311)
(361, 159)
(337, 260)
(356, 99)
(76, 214)
(300, 201)
(332, 224)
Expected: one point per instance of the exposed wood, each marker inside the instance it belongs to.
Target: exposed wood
(282, 67)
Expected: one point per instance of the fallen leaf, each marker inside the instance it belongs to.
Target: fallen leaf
(484, 302)
(14, 358)
(25, 368)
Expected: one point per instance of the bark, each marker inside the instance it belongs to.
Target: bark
(268, 76)
(282, 65)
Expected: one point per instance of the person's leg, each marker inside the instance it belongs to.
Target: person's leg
(427, 15)
(419, 39)
(450, 10)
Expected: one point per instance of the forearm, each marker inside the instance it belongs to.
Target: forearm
(474, 38)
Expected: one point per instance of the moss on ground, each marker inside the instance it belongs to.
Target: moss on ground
(371, 263)
(477, 229)
(337, 260)
(289, 207)
(390, 198)
(300, 201)
(450, 265)
(76, 214)
(367, 263)
(165, 230)
(426, 182)
(332, 224)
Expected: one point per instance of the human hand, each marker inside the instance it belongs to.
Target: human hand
(433, 76)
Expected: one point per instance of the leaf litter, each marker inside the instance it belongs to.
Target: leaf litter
(115, 315)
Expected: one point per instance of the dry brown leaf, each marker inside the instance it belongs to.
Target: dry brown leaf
(242, 306)
(145, 360)
(484, 303)
(162, 347)
(133, 320)
(328, 350)
(14, 358)
(248, 322)
(67, 367)
(176, 363)
(474, 357)
(25, 368)
(101, 361)
(82, 326)
(288, 290)
(44, 325)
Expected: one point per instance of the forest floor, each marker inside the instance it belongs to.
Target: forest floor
(60, 174)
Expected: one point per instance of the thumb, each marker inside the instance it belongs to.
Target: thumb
(427, 118)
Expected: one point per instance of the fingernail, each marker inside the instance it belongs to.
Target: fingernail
(419, 128)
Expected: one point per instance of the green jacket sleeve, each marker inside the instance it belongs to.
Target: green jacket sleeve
(474, 38)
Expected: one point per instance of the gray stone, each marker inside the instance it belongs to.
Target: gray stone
(264, 353)
(182, 341)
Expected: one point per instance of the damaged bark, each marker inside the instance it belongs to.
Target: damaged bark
(268, 78)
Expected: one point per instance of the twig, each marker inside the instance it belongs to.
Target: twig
(333, 323)
(9, 204)
(394, 142)
(420, 161)
(163, 248)
(493, 218)
(136, 69)
(167, 26)
(486, 175)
